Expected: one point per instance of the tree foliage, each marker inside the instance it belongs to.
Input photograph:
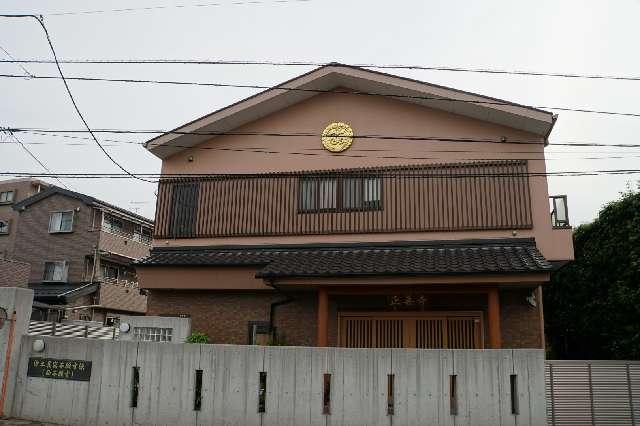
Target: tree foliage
(592, 305)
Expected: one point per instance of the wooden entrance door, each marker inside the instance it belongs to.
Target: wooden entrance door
(427, 330)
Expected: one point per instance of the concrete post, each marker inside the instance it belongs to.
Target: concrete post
(17, 303)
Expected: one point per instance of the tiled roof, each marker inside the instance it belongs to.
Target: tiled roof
(87, 199)
(404, 258)
(60, 293)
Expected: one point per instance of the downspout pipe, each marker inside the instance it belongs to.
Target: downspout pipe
(272, 309)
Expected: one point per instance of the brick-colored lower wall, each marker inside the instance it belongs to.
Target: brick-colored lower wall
(225, 316)
(14, 273)
(520, 321)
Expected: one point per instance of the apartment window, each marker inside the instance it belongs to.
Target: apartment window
(61, 222)
(318, 194)
(56, 271)
(142, 234)
(152, 334)
(113, 224)
(109, 272)
(4, 227)
(6, 197)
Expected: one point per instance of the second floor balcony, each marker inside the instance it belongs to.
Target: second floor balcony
(475, 196)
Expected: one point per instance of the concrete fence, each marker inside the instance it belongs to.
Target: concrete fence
(181, 384)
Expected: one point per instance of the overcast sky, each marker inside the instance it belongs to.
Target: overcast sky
(558, 36)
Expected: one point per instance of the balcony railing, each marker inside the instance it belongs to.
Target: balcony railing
(143, 239)
(120, 282)
(559, 211)
(441, 197)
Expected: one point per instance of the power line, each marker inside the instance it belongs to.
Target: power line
(26, 71)
(172, 6)
(320, 64)
(258, 150)
(326, 173)
(32, 155)
(345, 92)
(40, 20)
(569, 144)
(317, 135)
(261, 150)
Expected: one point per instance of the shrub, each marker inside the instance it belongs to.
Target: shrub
(198, 337)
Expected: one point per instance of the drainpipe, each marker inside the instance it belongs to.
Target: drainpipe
(272, 310)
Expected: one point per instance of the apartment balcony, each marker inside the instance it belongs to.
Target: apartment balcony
(561, 232)
(121, 295)
(119, 282)
(476, 196)
(126, 244)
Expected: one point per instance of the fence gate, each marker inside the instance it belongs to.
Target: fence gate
(425, 330)
(593, 392)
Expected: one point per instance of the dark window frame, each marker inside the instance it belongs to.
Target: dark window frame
(7, 224)
(340, 182)
(62, 213)
(13, 196)
(65, 271)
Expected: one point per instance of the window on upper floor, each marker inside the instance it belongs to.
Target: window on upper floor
(6, 197)
(318, 194)
(61, 222)
(112, 224)
(109, 271)
(142, 234)
(4, 227)
(56, 271)
(184, 208)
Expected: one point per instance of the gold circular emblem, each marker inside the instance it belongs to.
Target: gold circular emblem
(337, 137)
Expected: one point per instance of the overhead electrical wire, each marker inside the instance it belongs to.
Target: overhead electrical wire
(27, 73)
(265, 151)
(402, 173)
(312, 134)
(172, 6)
(120, 141)
(319, 64)
(345, 92)
(32, 155)
(40, 21)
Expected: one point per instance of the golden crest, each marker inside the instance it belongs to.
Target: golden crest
(337, 137)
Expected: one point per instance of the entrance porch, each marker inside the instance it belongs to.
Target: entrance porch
(410, 317)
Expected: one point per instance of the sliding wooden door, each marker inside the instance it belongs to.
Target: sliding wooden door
(427, 330)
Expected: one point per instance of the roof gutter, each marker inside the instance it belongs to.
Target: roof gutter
(272, 309)
(554, 118)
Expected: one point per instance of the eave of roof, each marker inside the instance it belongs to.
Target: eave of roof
(364, 259)
(61, 293)
(86, 199)
(331, 76)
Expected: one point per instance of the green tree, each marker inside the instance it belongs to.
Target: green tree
(592, 305)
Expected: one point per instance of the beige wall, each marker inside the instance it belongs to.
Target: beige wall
(121, 245)
(371, 115)
(199, 278)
